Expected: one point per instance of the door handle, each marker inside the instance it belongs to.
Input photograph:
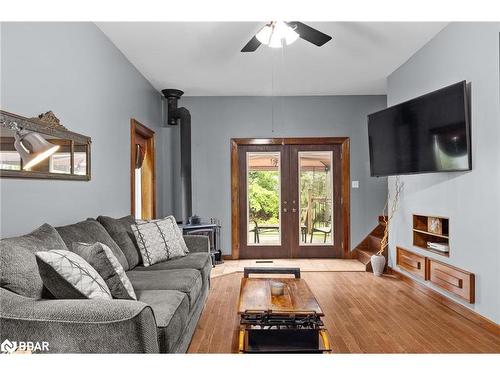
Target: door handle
(285, 209)
(294, 210)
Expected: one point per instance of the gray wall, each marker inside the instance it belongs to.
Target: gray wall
(74, 70)
(462, 51)
(215, 120)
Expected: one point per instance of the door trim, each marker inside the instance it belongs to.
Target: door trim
(137, 128)
(346, 180)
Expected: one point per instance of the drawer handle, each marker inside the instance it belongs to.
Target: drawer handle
(411, 262)
(449, 279)
(410, 265)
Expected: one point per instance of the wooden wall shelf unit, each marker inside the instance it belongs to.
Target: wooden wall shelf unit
(431, 229)
(452, 279)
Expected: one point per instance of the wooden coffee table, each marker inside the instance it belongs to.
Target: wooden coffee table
(290, 323)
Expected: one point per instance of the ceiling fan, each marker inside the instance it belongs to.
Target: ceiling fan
(277, 33)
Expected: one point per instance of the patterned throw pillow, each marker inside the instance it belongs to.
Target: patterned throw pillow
(66, 275)
(178, 231)
(157, 240)
(107, 265)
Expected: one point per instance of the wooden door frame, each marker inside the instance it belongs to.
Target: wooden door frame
(137, 128)
(235, 175)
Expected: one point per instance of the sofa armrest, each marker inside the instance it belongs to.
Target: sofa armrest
(79, 325)
(197, 244)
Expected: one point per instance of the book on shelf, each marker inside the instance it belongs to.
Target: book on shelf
(438, 246)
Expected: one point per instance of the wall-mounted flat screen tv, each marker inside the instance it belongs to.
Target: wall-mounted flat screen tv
(430, 133)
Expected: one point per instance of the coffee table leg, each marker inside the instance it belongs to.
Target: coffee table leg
(241, 342)
(324, 337)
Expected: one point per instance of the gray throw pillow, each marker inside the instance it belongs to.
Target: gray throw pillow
(68, 276)
(18, 268)
(120, 231)
(157, 241)
(102, 259)
(178, 231)
(90, 231)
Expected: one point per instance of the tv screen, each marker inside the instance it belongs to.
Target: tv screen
(430, 133)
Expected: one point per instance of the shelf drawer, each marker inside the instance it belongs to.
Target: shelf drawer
(411, 262)
(452, 279)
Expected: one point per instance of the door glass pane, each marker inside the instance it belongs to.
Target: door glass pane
(263, 198)
(316, 196)
(60, 161)
(80, 159)
(9, 157)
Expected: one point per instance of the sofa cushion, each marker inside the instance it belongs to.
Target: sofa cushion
(187, 280)
(68, 276)
(171, 310)
(120, 231)
(91, 231)
(157, 240)
(18, 268)
(197, 261)
(102, 259)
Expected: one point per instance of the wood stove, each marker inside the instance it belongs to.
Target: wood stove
(212, 230)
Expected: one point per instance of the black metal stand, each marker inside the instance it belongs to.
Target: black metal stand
(213, 233)
(295, 271)
(266, 332)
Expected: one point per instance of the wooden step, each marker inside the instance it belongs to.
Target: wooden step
(365, 257)
(378, 231)
(371, 245)
(374, 243)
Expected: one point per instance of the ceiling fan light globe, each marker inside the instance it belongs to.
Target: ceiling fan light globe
(291, 36)
(264, 34)
(275, 41)
(278, 35)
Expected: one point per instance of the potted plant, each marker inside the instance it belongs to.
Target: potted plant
(378, 259)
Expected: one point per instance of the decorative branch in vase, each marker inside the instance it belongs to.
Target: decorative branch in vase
(391, 206)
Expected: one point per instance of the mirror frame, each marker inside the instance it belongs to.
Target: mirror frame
(47, 124)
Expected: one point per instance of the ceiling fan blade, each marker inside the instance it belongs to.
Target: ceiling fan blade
(308, 33)
(252, 45)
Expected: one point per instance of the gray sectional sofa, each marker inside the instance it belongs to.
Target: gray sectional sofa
(170, 295)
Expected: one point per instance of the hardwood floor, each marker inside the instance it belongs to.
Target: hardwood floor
(305, 265)
(363, 314)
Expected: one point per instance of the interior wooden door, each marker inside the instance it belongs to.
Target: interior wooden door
(142, 171)
(263, 212)
(316, 225)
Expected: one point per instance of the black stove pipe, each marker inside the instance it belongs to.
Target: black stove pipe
(183, 117)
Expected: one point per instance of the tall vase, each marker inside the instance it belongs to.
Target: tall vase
(378, 264)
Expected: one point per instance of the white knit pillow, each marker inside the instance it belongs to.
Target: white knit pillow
(157, 240)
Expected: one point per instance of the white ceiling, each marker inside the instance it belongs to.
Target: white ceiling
(204, 58)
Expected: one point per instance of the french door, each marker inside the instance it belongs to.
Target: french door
(290, 198)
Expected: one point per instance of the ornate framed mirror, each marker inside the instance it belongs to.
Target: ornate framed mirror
(42, 148)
